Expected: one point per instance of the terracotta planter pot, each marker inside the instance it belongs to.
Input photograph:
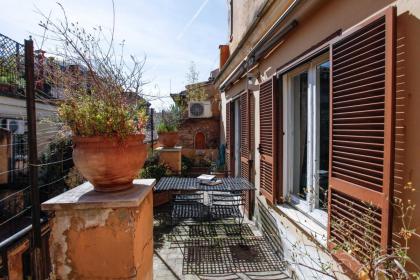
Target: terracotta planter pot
(168, 139)
(110, 164)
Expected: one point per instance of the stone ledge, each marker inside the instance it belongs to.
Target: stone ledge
(84, 197)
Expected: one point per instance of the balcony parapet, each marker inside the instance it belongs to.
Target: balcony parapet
(102, 235)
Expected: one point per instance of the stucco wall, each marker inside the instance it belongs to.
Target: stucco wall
(15, 108)
(244, 11)
(316, 21)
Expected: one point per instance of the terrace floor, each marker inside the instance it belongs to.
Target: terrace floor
(213, 250)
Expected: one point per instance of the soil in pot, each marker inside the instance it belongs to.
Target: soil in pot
(109, 163)
(168, 139)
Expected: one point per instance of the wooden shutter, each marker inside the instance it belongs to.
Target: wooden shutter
(244, 103)
(244, 115)
(267, 146)
(361, 136)
(229, 139)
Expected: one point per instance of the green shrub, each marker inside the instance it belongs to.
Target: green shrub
(186, 165)
(170, 120)
(153, 169)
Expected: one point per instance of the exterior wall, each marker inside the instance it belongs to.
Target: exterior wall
(15, 108)
(316, 21)
(210, 127)
(272, 11)
(102, 236)
(243, 14)
(408, 88)
(188, 130)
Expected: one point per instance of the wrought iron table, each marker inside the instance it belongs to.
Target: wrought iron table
(190, 206)
(192, 184)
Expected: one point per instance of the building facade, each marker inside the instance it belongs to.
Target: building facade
(199, 131)
(319, 110)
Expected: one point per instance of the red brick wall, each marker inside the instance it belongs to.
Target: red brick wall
(209, 127)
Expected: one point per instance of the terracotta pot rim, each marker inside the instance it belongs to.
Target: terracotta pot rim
(169, 132)
(94, 139)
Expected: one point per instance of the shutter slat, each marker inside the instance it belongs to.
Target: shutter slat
(374, 98)
(372, 85)
(372, 42)
(359, 38)
(363, 54)
(356, 76)
(360, 69)
(361, 140)
(362, 62)
(369, 164)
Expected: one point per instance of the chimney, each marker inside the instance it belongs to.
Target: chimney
(224, 54)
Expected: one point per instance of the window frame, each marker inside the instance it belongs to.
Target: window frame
(306, 206)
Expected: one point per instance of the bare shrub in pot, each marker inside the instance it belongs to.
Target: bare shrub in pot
(101, 103)
(168, 125)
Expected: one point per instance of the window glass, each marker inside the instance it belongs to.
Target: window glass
(323, 85)
(300, 115)
(307, 122)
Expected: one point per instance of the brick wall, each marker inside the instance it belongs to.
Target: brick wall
(209, 127)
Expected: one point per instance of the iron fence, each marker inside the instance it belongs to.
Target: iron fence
(22, 134)
(12, 72)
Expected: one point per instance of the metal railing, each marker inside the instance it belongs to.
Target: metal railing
(38, 164)
(12, 71)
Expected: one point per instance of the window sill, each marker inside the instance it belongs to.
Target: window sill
(304, 223)
(318, 216)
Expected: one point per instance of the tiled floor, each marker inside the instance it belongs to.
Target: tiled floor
(217, 250)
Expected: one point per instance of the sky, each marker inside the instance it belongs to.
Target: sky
(170, 33)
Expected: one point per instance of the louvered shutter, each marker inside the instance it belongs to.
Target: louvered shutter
(245, 146)
(251, 195)
(244, 115)
(361, 142)
(267, 146)
(229, 139)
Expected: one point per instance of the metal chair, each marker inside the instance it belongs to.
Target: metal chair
(187, 209)
(226, 205)
(188, 206)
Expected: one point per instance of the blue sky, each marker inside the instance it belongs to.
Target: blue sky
(171, 33)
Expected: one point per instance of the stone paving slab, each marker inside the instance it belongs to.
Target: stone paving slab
(217, 256)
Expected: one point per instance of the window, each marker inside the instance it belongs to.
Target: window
(306, 146)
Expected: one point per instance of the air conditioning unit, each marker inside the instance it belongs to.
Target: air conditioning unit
(15, 126)
(199, 109)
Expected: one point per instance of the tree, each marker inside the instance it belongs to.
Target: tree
(195, 90)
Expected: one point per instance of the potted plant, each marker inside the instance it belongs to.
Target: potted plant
(100, 103)
(167, 128)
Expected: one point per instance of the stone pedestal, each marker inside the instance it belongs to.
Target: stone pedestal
(102, 235)
(171, 157)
